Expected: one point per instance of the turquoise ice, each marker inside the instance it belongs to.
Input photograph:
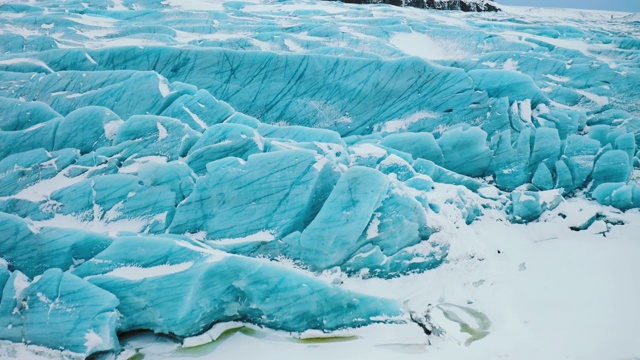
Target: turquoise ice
(227, 159)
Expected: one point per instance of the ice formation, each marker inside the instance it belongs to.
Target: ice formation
(160, 162)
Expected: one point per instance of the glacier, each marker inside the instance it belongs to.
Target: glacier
(171, 166)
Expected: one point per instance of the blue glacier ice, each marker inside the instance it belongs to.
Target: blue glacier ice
(203, 286)
(83, 316)
(279, 192)
(167, 168)
(334, 234)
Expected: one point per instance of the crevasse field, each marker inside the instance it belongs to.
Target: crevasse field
(297, 180)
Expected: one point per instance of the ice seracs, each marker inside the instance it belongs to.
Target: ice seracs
(160, 174)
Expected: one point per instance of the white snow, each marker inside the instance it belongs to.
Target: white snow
(76, 95)
(31, 61)
(525, 110)
(366, 150)
(510, 65)
(118, 5)
(93, 340)
(134, 166)
(293, 46)
(162, 131)
(95, 225)
(163, 86)
(319, 165)
(581, 45)
(372, 230)
(489, 192)
(491, 64)
(258, 140)
(263, 45)
(213, 254)
(111, 128)
(90, 59)
(212, 334)
(394, 159)
(186, 37)
(399, 125)
(135, 273)
(264, 235)
(43, 189)
(21, 351)
(195, 118)
(598, 99)
(91, 20)
(421, 45)
(550, 196)
(20, 283)
(207, 5)
(329, 8)
(557, 78)
(35, 127)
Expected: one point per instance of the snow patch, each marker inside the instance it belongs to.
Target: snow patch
(42, 190)
(95, 225)
(264, 235)
(600, 100)
(20, 283)
(195, 118)
(111, 129)
(558, 78)
(134, 167)
(90, 59)
(213, 255)
(162, 131)
(93, 340)
(510, 65)
(136, 273)
(399, 125)
(372, 229)
(421, 45)
(91, 20)
(163, 86)
(525, 110)
(366, 150)
(205, 5)
(35, 62)
(293, 46)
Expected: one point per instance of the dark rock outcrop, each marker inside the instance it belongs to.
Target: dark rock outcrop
(461, 5)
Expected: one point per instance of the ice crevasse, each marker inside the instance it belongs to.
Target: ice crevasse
(150, 146)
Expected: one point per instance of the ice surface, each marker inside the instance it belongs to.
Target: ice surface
(227, 153)
(335, 232)
(83, 316)
(202, 286)
(278, 191)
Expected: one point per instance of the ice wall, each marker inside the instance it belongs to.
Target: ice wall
(228, 155)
